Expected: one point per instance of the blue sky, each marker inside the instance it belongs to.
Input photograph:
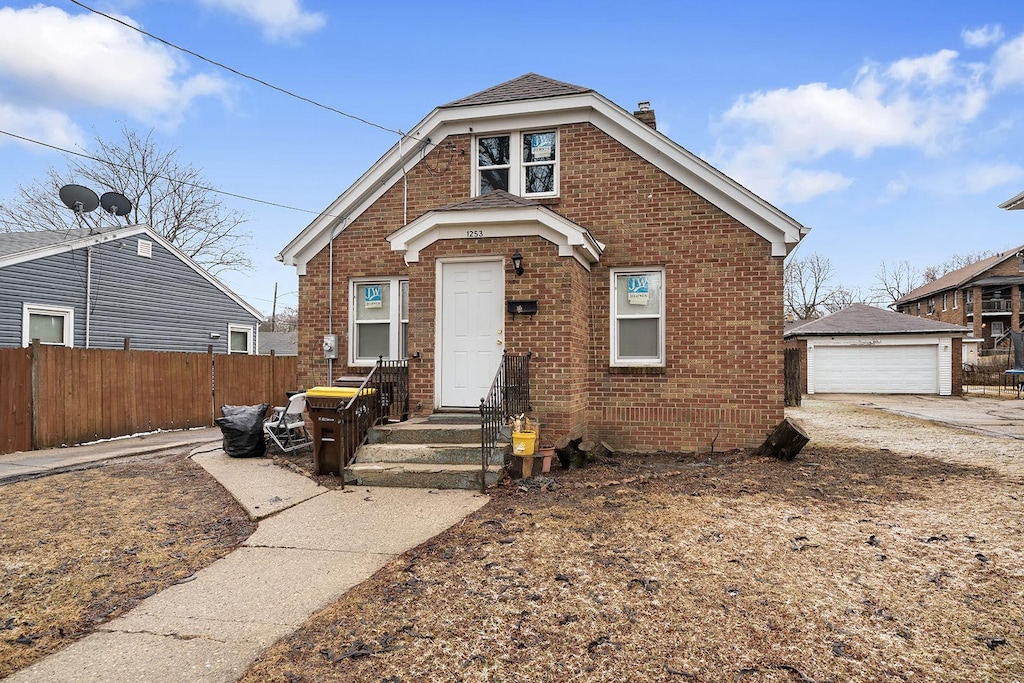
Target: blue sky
(892, 129)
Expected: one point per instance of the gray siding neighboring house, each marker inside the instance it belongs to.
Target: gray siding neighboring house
(135, 283)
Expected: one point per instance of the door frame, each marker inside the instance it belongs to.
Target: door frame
(439, 309)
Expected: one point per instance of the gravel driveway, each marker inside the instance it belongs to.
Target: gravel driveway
(968, 430)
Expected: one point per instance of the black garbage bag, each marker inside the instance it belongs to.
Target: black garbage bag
(242, 427)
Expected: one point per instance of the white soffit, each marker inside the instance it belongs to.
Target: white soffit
(571, 239)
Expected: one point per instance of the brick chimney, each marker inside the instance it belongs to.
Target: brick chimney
(646, 114)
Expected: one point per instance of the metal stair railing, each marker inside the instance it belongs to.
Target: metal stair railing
(382, 397)
(509, 395)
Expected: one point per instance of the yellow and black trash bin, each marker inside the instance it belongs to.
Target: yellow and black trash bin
(324, 405)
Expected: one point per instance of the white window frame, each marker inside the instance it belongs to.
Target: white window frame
(516, 165)
(992, 328)
(396, 320)
(614, 359)
(28, 310)
(956, 298)
(945, 301)
(249, 337)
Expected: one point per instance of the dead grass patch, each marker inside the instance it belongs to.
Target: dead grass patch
(80, 548)
(845, 565)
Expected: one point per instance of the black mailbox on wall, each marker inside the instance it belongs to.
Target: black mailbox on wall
(522, 307)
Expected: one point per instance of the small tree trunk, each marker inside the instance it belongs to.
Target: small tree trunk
(785, 441)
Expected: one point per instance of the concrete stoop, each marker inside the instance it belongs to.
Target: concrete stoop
(425, 453)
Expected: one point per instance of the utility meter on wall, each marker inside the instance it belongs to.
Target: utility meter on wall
(330, 346)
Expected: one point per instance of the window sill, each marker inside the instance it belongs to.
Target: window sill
(638, 370)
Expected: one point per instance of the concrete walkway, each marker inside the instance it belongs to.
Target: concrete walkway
(312, 544)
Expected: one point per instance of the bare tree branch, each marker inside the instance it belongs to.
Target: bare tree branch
(169, 196)
(896, 280)
(808, 287)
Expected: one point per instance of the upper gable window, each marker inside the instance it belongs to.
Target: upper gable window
(528, 170)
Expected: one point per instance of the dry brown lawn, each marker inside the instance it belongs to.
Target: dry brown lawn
(849, 564)
(80, 548)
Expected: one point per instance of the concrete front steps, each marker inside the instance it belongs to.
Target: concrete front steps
(441, 451)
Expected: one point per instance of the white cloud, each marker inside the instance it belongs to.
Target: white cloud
(935, 69)
(1008, 64)
(46, 125)
(982, 37)
(768, 139)
(982, 178)
(54, 59)
(280, 19)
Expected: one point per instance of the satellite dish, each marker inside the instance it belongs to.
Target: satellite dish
(115, 203)
(79, 199)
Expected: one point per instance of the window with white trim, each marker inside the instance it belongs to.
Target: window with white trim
(378, 320)
(997, 329)
(528, 170)
(51, 325)
(240, 339)
(637, 317)
(956, 298)
(945, 300)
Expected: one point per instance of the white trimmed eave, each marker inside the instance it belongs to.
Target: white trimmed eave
(571, 240)
(122, 233)
(782, 231)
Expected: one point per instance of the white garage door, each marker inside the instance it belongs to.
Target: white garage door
(876, 369)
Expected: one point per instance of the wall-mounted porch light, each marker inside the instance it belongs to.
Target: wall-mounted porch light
(517, 263)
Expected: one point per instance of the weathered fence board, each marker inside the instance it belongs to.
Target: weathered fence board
(51, 395)
(15, 400)
(793, 370)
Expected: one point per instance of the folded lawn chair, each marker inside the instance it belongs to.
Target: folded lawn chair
(287, 426)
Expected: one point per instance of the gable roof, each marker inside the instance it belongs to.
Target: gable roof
(529, 86)
(1014, 203)
(863, 319)
(535, 101)
(958, 278)
(21, 247)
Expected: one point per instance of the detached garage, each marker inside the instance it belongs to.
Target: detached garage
(868, 350)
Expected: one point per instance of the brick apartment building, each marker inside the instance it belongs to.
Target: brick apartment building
(986, 297)
(650, 283)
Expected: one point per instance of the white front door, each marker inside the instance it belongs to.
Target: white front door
(471, 337)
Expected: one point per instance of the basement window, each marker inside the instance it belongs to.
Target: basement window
(529, 169)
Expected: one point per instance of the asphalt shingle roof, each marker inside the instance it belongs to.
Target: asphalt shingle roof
(496, 199)
(17, 242)
(864, 319)
(529, 86)
(957, 278)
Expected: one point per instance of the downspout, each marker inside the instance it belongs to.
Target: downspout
(405, 182)
(88, 294)
(330, 303)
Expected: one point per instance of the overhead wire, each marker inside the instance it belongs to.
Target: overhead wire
(242, 74)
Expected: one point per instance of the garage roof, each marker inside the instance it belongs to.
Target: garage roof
(864, 319)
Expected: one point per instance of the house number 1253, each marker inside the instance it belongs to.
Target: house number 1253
(474, 233)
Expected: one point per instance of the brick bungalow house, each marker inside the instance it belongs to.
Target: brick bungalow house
(656, 280)
(991, 287)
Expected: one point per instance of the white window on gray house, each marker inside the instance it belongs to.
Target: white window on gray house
(51, 325)
(240, 339)
(528, 170)
(637, 317)
(379, 320)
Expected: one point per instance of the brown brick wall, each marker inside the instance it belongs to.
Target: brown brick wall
(722, 382)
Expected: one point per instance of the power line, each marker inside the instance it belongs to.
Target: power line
(241, 74)
(162, 177)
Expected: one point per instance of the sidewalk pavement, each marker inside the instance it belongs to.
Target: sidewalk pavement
(31, 464)
(312, 544)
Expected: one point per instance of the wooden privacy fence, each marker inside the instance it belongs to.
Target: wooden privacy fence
(52, 395)
(794, 369)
